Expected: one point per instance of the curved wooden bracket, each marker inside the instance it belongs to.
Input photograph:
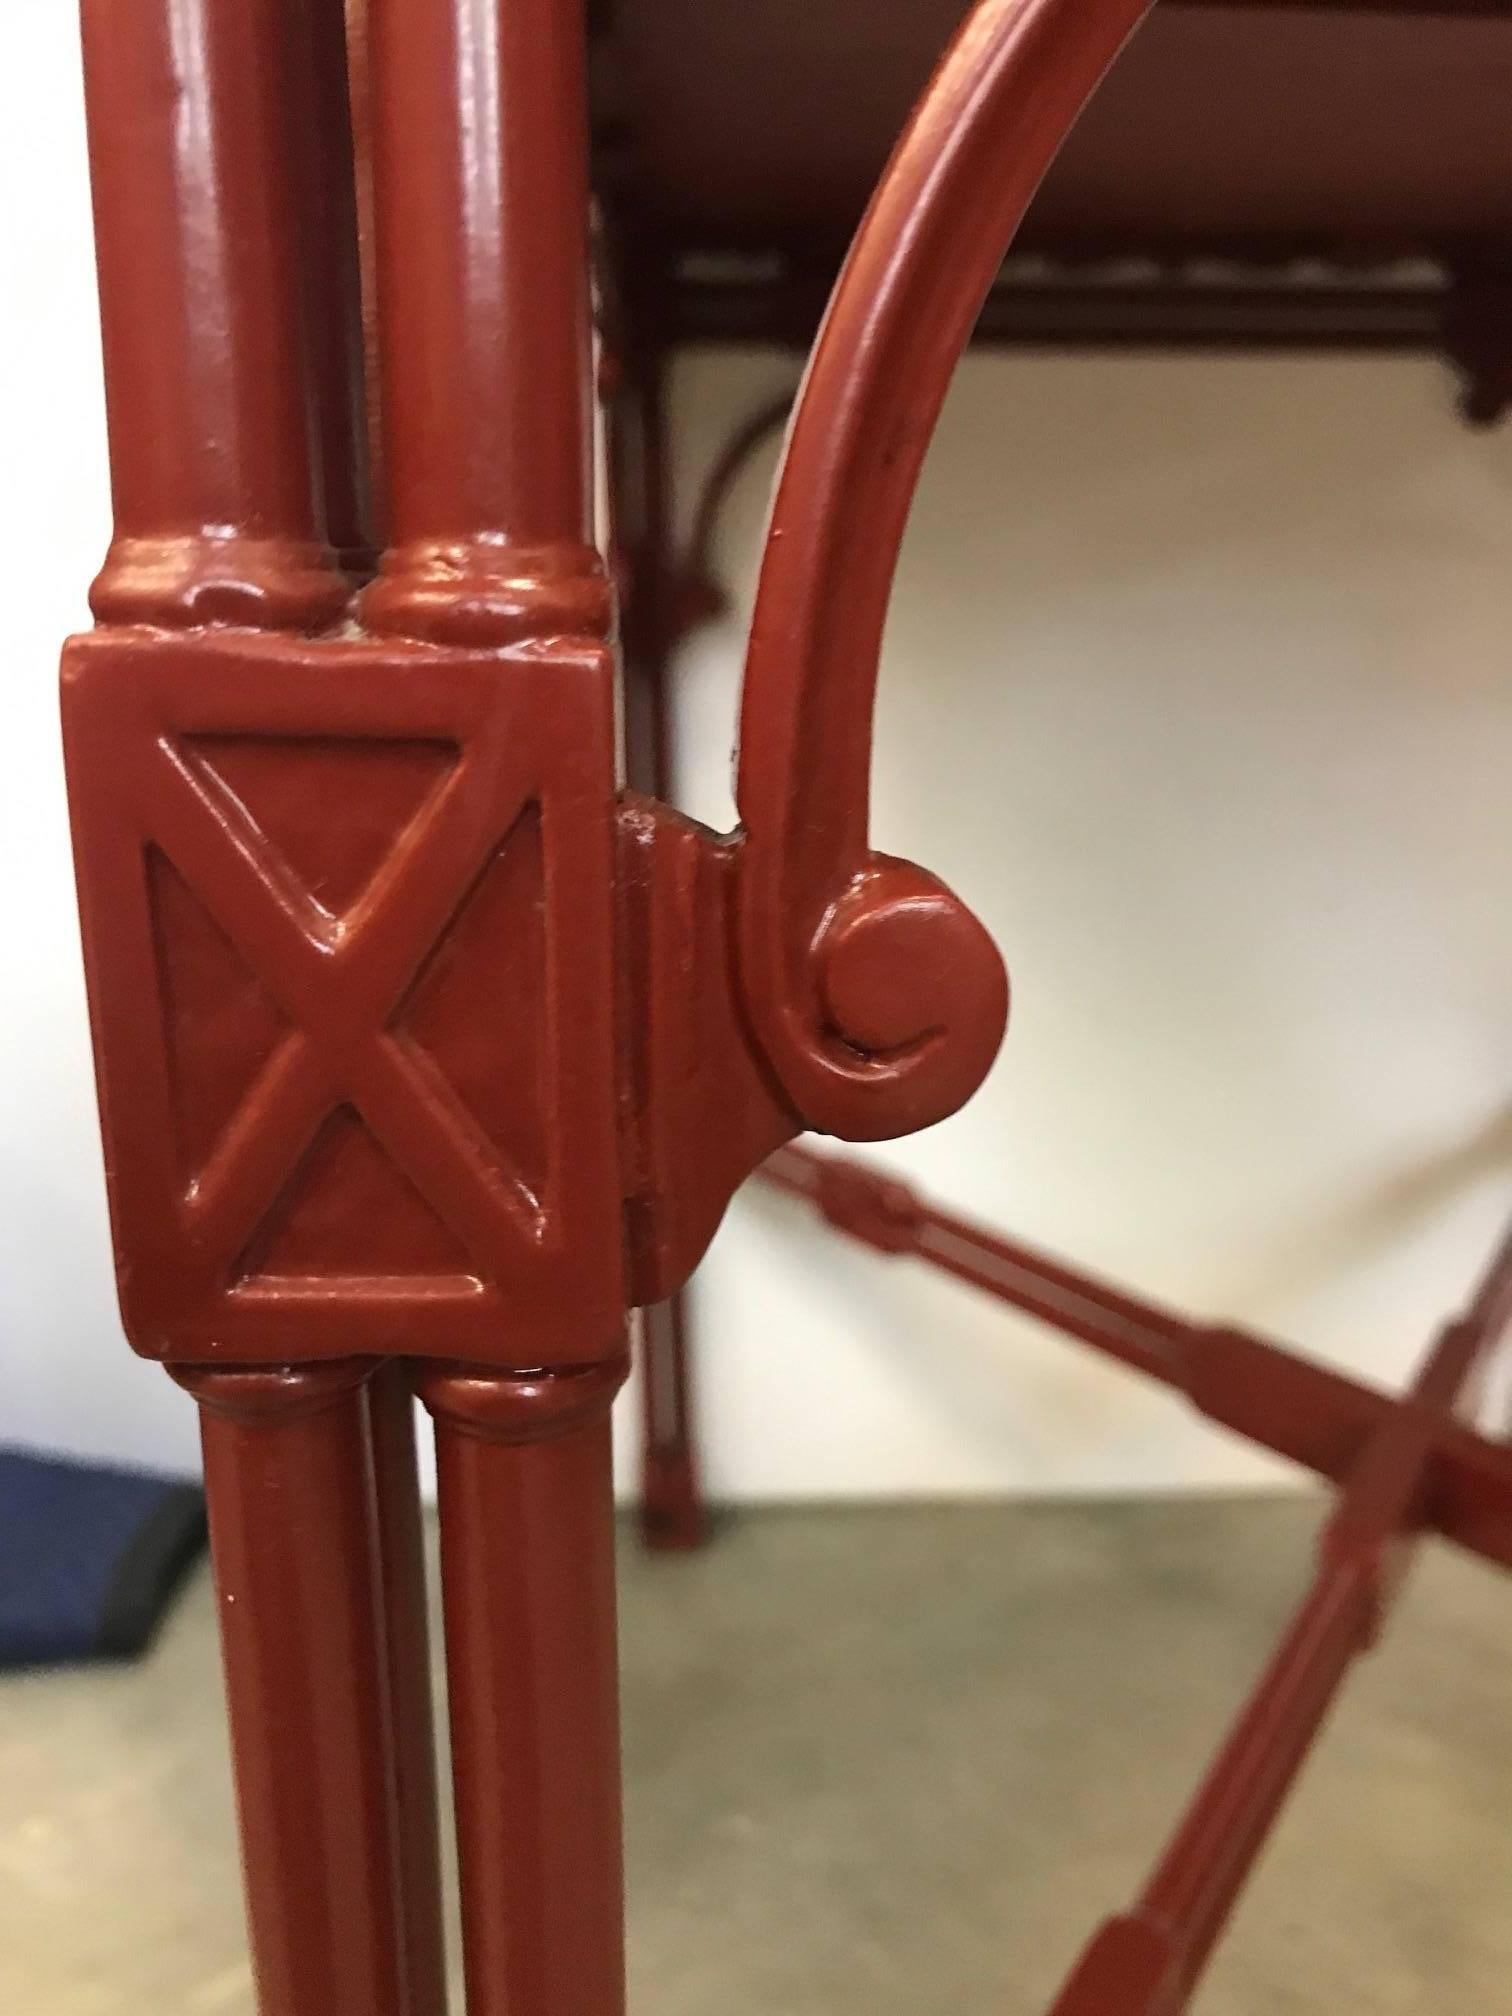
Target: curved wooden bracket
(790, 976)
(878, 998)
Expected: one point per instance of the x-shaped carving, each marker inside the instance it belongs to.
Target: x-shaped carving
(339, 983)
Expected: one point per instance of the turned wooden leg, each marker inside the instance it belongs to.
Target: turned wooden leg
(288, 1482)
(672, 1507)
(527, 1551)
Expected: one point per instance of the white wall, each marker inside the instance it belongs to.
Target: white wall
(1198, 685)
(66, 1379)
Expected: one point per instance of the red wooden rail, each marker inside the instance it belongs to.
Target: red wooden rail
(1147, 1962)
(1257, 1388)
(1404, 1464)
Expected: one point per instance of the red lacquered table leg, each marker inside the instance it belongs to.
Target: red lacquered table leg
(671, 1507)
(414, 1037)
(527, 1525)
(204, 252)
(334, 190)
(229, 449)
(406, 1639)
(480, 192)
(288, 1482)
(672, 1510)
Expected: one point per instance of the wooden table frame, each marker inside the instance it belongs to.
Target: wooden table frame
(426, 1050)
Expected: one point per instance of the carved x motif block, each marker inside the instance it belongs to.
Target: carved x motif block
(348, 935)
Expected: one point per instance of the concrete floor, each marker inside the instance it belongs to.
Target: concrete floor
(891, 1761)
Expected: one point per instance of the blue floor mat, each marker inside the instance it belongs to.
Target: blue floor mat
(89, 1557)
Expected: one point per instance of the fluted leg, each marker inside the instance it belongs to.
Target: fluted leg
(527, 1550)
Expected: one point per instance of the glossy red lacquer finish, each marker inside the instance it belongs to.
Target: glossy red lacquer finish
(425, 1051)
(527, 1545)
(299, 1589)
(226, 299)
(481, 287)
(412, 1038)
(214, 276)
(360, 1077)
(845, 951)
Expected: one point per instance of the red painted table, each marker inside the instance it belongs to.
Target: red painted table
(427, 1052)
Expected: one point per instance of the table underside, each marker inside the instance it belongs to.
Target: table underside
(1248, 170)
